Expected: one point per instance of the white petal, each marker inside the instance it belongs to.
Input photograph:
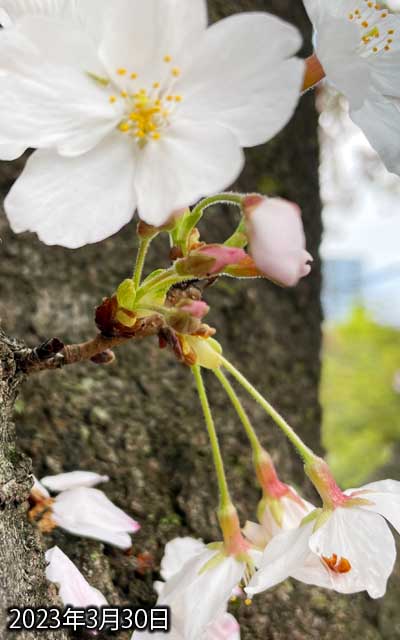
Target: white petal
(253, 88)
(286, 552)
(140, 34)
(177, 553)
(256, 534)
(385, 496)
(89, 512)
(379, 118)
(74, 590)
(17, 9)
(64, 481)
(226, 627)
(49, 105)
(69, 42)
(190, 161)
(347, 71)
(11, 151)
(37, 486)
(293, 512)
(75, 201)
(197, 597)
(365, 540)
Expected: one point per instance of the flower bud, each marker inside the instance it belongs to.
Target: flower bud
(210, 260)
(277, 240)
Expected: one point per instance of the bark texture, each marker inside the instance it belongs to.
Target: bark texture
(139, 420)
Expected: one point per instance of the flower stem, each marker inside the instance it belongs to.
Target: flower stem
(140, 260)
(195, 215)
(251, 434)
(305, 452)
(225, 500)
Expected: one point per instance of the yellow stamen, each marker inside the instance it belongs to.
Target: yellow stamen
(121, 71)
(167, 58)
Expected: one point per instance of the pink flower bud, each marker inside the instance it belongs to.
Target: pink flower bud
(222, 255)
(277, 240)
(196, 308)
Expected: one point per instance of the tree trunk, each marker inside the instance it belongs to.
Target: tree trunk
(139, 420)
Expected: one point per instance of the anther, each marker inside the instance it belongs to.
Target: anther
(121, 71)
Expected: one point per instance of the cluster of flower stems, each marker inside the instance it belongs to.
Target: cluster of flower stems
(168, 277)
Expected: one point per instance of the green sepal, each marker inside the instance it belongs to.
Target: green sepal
(239, 238)
(126, 294)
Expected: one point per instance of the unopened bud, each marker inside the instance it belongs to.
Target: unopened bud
(277, 240)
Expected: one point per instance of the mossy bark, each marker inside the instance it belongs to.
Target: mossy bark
(139, 421)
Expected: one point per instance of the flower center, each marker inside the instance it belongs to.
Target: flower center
(375, 23)
(148, 111)
(337, 565)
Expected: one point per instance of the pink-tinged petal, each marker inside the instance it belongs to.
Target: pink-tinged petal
(226, 627)
(197, 309)
(360, 542)
(72, 480)
(74, 590)
(277, 239)
(385, 498)
(75, 201)
(223, 256)
(88, 512)
(177, 553)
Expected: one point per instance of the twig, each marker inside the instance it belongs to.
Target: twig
(53, 354)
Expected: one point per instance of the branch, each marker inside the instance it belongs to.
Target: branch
(53, 354)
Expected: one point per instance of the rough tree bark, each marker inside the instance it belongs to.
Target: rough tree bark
(139, 420)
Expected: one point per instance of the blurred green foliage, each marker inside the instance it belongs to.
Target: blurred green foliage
(361, 370)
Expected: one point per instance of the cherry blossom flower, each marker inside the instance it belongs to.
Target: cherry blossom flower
(81, 510)
(74, 590)
(186, 557)
(277, 240)
(358, 46)
(140, 106)
(347, 546)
